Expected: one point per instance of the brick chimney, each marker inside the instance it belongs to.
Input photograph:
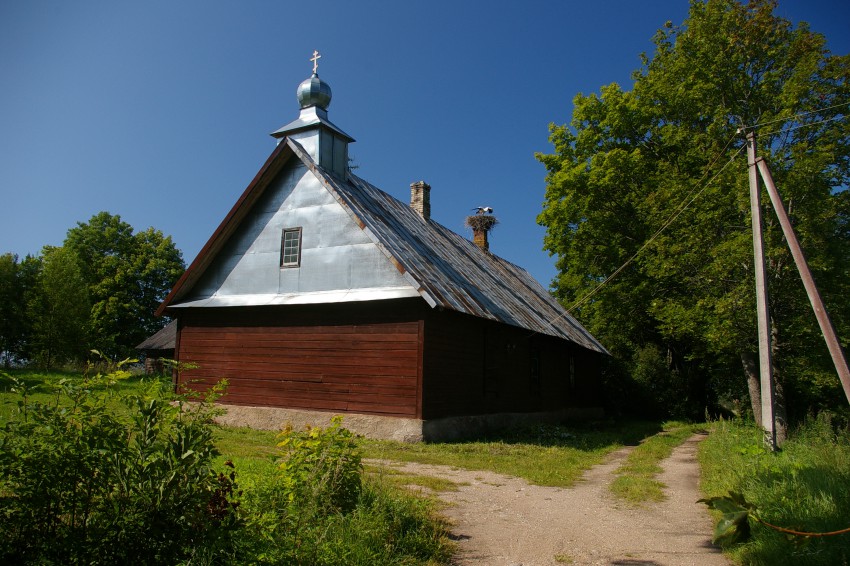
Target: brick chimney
(481, 225)
(420, 199)
(479, 238)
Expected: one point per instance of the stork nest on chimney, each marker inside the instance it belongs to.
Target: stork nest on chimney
(481, 222)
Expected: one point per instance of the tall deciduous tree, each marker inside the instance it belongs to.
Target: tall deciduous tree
(59, 309)
(128, 274)
(680, 315)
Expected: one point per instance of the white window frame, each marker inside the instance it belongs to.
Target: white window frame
(290, 257)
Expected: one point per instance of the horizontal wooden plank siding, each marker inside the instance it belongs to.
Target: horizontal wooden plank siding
(453, 367)
(475, 366)
(365, 367)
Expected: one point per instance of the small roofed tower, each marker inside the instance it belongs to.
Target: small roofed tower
(481, 223)
(321, 138)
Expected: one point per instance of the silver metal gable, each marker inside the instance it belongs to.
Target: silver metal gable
(447, 269)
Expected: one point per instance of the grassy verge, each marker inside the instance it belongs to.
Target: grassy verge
(636, 481)
(543, 455)
(806, 487)
(42, 388)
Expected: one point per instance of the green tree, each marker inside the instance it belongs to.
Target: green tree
(681, 312)
(59, 310)
(128, 274)
(17, 282)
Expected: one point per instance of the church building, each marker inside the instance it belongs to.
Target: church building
(320, 294)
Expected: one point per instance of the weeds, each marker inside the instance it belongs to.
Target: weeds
(82, 483)
(321, 468)
(314, 507)
(107, 469)
(803, 488)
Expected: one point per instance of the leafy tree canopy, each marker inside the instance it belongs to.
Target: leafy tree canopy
(128, 275)
(59, 310)
(655, 179)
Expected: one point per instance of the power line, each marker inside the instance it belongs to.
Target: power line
(799, 126)
(682, 207)
(800, 115)
(686, 202)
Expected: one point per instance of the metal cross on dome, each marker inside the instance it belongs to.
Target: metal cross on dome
(315, 59)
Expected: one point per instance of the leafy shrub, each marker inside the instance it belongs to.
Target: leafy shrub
(81, 484)
(103, 470)
(321, 468)
(386, 526)
(315, 508)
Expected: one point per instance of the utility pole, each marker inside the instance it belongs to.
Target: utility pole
(826, 327)
(765, 366)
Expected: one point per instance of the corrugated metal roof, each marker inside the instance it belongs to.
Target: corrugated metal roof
(449, 270)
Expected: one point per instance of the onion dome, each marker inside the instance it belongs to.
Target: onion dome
(314, 92)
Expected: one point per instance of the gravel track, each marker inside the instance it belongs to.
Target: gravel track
(503, 521)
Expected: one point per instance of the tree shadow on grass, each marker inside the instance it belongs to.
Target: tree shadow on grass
(585, 436)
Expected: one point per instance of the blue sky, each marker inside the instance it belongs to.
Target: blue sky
(160, 111)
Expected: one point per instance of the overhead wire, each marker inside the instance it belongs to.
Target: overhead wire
(686, 202)
(682, 207)
(799, 126)
(800, 115)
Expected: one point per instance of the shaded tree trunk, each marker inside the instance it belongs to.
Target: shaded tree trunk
(751, 370)
(748, 360)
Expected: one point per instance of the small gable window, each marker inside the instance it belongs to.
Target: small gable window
(290, 249)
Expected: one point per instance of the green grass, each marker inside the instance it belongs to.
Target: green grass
(805, 486)
(636, 482)
(392, 476)
(544, 455)
(246, 442)
(41, 387)
(389, 527)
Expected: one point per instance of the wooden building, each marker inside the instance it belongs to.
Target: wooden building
(158, 347)
(321, 294)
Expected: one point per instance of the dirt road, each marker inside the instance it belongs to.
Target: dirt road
(503, 521)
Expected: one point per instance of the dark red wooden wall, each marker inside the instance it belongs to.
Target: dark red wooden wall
(394, 358)
(347, 359)
(474, 366)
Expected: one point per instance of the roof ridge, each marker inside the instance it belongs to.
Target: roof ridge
(445, 268)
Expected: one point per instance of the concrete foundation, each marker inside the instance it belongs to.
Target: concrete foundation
(395, 428)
